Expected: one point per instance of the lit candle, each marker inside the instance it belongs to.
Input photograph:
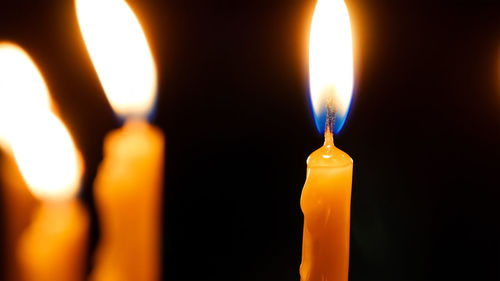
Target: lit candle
(128, 187)
(23, 95)
(54, 246)
(326, 197)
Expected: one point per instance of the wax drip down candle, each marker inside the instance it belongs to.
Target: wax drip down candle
(326, 196)
(128, 186)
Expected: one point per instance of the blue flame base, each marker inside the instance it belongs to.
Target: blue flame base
(320, 120)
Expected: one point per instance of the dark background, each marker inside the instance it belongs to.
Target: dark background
(424, 131)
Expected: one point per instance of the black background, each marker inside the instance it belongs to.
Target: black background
(424, 131)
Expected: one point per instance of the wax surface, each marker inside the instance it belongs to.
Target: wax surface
(54, 247)
(326, 204)
(128, 192)
(18, 204)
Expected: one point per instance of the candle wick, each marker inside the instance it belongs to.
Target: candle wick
(330, 122)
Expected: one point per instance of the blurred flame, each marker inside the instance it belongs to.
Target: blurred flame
(41, 144)
(22, 89)
(48, 159)
(331, 62)
(120, 53)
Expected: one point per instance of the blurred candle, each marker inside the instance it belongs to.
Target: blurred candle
(128, 187)
(23, 94)
(54, 246)
(18, 204)
(326, 197)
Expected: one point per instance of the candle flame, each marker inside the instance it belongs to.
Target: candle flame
(41, 144)
(22, 89)
(331, 63)
(120, 54)
(47, 158)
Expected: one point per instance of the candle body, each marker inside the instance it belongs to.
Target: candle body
(128, 192)
(18, 204)
(54, 246)
(326, 203)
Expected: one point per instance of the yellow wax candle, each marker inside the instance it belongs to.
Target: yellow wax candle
(128, 195)
(54, 247)
(326, 202)
(326, 197)
(128, 187)
(18, 204)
